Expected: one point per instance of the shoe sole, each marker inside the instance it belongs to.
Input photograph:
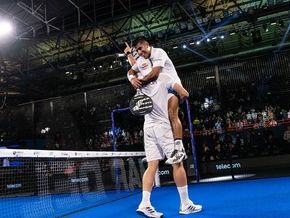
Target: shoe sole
(144, 215)
(185, 213)
(182, 159)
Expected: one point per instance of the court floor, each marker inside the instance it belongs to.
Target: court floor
(248, 198)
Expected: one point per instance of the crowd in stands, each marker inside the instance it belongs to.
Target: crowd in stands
(243, 124)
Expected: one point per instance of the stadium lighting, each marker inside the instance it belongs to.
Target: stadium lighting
(6, 28)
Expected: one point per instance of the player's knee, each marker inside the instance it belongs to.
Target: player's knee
(153, 165)
(177, 166)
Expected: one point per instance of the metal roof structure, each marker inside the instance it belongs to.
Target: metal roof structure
(60, 45)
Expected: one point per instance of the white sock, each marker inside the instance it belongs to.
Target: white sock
(178, 145)
(183, 194)
(145, 199)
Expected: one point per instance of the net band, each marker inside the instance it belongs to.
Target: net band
(65, 154)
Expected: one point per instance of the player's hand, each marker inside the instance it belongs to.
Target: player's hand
(136, 83)
(128, 49)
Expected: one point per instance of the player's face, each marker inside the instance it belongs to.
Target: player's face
(143, 49)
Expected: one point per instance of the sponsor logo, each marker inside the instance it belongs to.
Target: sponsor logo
(163, 172)
(36, 153)
(79, 180)
(13, 186)
(64, 153)
(144, 65)
(228, 166)
(17, 152)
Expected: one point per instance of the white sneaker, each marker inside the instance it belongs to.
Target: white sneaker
(176, 157)
(190, 207)
(149, 212)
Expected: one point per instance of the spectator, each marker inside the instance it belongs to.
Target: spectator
(286, 138)
(206, 153)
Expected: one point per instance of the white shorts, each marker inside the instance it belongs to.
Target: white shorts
(158, 140)
(171, 91)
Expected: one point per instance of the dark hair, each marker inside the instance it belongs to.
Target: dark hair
(140, 39)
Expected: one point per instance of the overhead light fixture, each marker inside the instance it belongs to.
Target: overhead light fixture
(192, 43)
(175, 47)
(208, 39)
(273, 23)
(120, 55)
(184, 46)
(214, 38)
(6, 28)
(198, 42)
(232, 33)
(222, 37)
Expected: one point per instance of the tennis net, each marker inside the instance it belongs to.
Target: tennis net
(46, 183)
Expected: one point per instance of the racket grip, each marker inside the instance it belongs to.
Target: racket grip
(138, 91)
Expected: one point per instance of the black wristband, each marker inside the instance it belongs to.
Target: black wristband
(127, 53)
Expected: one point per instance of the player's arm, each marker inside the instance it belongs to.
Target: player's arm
(128, 53)
(132, 77)
(131, 59)
(158, 63)
(152, 76)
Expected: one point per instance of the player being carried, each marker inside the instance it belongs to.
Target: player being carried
(146, 68)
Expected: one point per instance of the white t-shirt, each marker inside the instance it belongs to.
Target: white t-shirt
(143, 67)
(160, 101)
(158, 58)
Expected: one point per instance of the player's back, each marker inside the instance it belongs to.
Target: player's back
(160, 101)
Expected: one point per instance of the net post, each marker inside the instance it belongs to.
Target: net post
(113, 130)
(113, 125)
(116, 164)
(192, 141)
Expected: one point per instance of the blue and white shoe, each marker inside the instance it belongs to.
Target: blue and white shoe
(189, 208)
(149, 212)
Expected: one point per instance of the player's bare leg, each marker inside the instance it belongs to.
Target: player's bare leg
(178, 154)
(180, 179)
(145, 208)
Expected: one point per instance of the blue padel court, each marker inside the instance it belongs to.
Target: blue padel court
(248, 198)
